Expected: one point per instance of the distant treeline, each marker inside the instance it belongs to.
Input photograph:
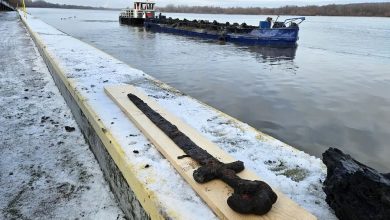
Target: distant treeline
(43, 4)
(359, 9)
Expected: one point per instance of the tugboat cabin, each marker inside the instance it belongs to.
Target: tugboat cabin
(142, 10)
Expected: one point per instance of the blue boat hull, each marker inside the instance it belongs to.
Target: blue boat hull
(274, 37)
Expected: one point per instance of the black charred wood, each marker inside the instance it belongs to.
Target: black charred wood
(354, 190)
(249, 197)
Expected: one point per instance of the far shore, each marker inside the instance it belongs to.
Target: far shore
(355, 10)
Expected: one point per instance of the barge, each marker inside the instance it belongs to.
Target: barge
(269, 32)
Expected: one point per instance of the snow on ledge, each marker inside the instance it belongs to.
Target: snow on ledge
(293, 172)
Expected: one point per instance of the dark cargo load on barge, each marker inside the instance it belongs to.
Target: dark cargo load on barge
(268, 32)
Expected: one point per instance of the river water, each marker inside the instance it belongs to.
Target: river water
(333, 90)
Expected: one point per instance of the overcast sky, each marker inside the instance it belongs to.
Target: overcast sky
(223, 3)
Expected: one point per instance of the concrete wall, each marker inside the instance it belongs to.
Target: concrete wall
(118, 184)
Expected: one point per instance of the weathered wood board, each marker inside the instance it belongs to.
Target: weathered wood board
(214, 193)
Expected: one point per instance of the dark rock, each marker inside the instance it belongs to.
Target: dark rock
(354, 190)
(44, 118)
(69, 129)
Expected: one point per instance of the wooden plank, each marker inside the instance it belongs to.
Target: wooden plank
(214, 193)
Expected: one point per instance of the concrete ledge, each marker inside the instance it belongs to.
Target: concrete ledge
(101, 142)
(159, 192)
(119, 186)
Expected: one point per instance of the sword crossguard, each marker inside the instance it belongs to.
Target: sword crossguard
(249, 196)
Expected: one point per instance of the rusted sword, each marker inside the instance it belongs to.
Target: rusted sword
(249, 196)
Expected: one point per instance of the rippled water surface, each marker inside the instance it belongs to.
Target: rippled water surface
(332, 90)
